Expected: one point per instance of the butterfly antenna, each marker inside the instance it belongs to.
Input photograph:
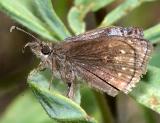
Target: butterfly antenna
(19, 29)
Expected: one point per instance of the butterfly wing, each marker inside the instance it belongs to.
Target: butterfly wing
(109, 59)
(106, 32)
(109, 63)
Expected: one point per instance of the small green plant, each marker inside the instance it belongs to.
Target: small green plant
(40, 17)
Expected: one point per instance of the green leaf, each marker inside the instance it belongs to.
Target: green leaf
(24, 12)
(78, 12)
(155, 57)
(95, 104)
(76, 21)
(57, 106)
(28, 12)
(49, 16)
(25, 109)
(121, 11)
(147, 91)
(96, 4)
(153, 33)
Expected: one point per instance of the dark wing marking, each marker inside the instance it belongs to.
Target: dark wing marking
(95, 81)
(115, 62)
(109, 31)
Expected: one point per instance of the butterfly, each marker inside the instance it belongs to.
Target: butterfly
(109, 59)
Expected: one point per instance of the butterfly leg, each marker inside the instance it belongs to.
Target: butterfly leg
(41, 66)
(68, 76)
(70, 91)
(52, 77)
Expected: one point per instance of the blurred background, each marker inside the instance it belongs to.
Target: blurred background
(15, 65)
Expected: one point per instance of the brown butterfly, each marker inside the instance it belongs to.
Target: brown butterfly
(109, 59)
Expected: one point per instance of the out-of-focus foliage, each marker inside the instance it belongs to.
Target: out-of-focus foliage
(24, 109)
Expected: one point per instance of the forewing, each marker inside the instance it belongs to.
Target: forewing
(110, 63)
(106, 32)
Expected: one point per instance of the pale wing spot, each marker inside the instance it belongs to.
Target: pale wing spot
(143, 55)
(112, 79)
(131, 70)
(116, 58)
(122, 51)
(105, 57)
(123, 68)
(102, 73)
(132, 52)
(131, 60)
(122, 84)
(130, 41)
(119, 74)
(110, 45)
(129, 77)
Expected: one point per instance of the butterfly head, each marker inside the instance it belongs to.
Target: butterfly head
(40, 49)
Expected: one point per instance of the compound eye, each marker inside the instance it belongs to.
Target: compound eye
(45, 50)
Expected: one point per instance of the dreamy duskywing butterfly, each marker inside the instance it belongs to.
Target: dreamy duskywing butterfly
(109, 59)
